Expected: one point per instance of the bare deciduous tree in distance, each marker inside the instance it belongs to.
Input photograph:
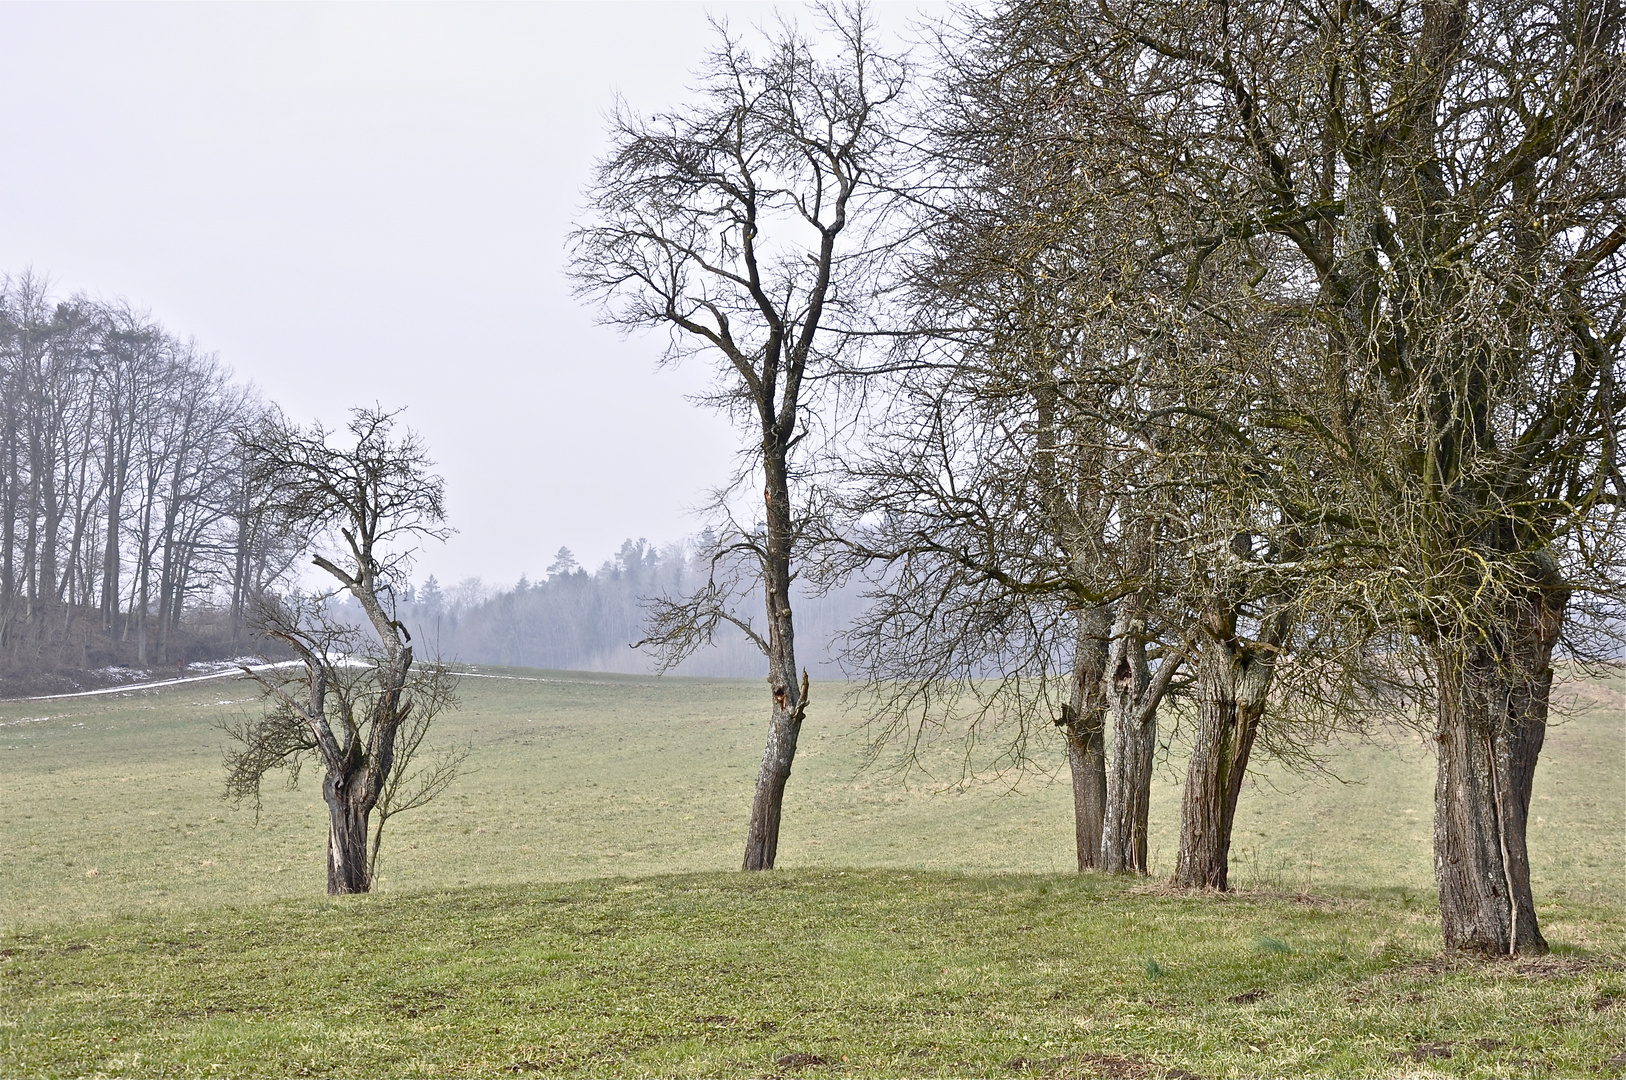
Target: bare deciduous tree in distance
(360, 703)
(740, 224)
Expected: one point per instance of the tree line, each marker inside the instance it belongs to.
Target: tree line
(1259, 357)
(575, 620)
(128, 532)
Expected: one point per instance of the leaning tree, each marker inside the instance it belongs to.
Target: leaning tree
(743, 225)
(357, 699)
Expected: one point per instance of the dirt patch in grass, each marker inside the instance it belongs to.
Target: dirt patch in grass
(799, 1061)
(1099, 1066)
(1424, 1051)
(1427, 1051)
(1534, 968)
(1557, 967)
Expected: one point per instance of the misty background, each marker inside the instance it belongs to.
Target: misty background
(350, 204)
(580, 619)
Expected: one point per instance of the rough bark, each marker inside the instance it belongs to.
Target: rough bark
(1492, 713)
(1232, 680)
(784, 727)
(350, 799)
(1087, 759)
(1134, 735)
(789, 698)
(1083, 724)
(1133, 694)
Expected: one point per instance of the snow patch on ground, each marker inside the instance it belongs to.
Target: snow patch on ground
(215, 669)
(221, 671)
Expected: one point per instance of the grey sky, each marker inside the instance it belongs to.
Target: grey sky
(368, 203)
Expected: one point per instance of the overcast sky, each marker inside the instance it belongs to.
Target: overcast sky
(368, 203)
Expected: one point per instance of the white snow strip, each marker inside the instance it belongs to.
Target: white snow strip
(224, 673)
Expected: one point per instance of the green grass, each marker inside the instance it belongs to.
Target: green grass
(874, 972)
(568, 906)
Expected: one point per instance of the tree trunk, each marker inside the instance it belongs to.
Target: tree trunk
(1084, 726)
(8, 512)
(784, 727)
(1134, 735)
(1087, 757)
(349, 805)
(240, 561)
(1231, 687)
(1492, 713)
(141, 595)
(111, 561)
(789, 698)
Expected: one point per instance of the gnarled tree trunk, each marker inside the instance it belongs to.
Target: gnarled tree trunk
(1492, 714)
(1133, 694)
(1129, 778)
(1083, 724)
(1233, 680)
(1231, 686)
(784, 727)
(350, 800)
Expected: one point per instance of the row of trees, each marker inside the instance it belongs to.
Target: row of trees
(1261, 354)
(124, 504)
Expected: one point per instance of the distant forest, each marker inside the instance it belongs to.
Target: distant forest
(577, 620)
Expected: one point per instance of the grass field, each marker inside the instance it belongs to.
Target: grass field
(568, 908)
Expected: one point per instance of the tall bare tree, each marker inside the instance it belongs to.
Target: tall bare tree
(742, 223)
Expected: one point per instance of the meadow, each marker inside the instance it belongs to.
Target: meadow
(571, 906)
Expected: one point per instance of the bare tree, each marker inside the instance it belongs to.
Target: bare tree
(739, 224)
(1430, 194)
(359, 702)
(1023, 490)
